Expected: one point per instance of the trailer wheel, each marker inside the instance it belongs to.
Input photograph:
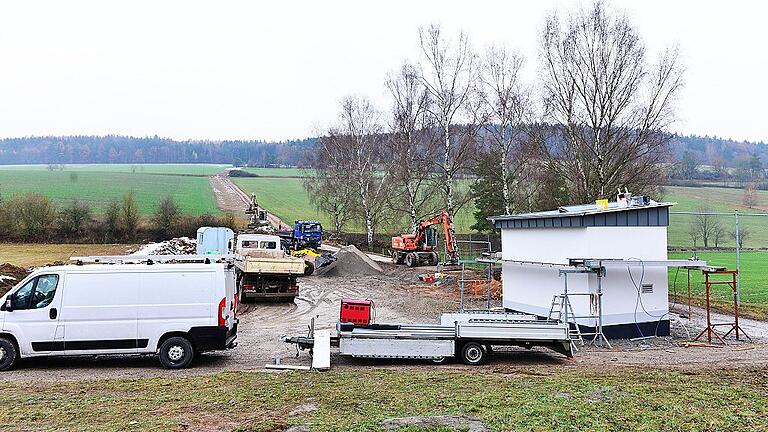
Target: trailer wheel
(8, 354)
(411, 260)
(440, 360)
(176, 353)
(472, 353)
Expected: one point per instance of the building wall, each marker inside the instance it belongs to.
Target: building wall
(530, 288)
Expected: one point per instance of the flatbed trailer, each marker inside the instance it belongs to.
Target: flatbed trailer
(468, 336)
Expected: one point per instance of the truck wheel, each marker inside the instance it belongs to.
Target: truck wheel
(472, 353)
(176, 353)
(309, 268)
(8, 354)
(411, 260)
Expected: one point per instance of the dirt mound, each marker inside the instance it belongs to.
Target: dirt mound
(10, 275)
(350, 262)
(174, 246)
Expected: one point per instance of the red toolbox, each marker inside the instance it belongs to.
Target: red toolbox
(357, 311)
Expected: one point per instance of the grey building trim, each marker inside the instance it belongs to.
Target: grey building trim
(655, 215)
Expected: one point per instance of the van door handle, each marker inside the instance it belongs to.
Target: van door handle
(53, 313)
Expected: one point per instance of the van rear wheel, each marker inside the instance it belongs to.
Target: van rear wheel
(8, 354)
(176, 353)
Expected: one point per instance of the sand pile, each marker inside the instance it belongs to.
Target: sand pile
(10, 275)
(350, 262)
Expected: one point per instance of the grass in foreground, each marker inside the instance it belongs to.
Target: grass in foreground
(550, 399)
(35, 254)
(754, 282)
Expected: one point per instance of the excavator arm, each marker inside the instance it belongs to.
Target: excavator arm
(445, 220)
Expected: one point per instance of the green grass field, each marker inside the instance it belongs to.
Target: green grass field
(754, 281)
(540, 399)
(286, 198)
(691, 199)
(98, 184)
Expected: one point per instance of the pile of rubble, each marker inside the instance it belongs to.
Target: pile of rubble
(174, 246)
(350, 262)
(10, 275)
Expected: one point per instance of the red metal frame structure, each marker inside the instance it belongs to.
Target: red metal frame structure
(733, 326)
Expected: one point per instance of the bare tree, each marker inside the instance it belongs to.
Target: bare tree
(707, 225)
(167, 215)
(447, 71)
(352, 152)
(694, 233)
(129, 215)
(410, 144)
(750, 199)
(112, 219)
(506, 105)
(744, 234)
(609, 106)
(74, 218)
(328, 192)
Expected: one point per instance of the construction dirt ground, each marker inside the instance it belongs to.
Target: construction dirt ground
(401, 297)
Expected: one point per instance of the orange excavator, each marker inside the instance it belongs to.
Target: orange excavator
(418, 248)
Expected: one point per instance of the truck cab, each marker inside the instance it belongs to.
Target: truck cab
(259, 246)
(307, 234)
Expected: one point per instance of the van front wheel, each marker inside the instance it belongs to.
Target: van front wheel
(8, 354)
(176, 353)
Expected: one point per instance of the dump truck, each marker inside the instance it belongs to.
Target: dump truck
(265, 270)
(306, 234)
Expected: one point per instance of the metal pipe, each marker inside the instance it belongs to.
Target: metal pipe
(738, 260)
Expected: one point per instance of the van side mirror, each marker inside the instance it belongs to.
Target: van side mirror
(8, 305)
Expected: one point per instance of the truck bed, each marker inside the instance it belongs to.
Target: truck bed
(282, 266)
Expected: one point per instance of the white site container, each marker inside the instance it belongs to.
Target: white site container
(618, 233)
(214, 240)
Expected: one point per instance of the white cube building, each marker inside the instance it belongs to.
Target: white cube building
(536, 246)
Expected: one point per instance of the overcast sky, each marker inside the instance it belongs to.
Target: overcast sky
(277, 70)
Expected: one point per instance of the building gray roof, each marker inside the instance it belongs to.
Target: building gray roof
(588, 215)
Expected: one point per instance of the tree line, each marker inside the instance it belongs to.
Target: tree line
(463, 124)
(34, 217)
(122, 149)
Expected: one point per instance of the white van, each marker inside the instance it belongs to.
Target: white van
(172, 310)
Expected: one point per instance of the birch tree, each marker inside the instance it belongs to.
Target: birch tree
(352, 152)
(447, 72)
(410, 143)
(507, 111)
(610, 107)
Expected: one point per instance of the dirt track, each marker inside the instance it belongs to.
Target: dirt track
(399, 298)
(230, 198)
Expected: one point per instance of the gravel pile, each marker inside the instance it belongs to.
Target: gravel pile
(350, 262)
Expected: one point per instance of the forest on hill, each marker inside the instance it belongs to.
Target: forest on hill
(125, 149)
(88, 149)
